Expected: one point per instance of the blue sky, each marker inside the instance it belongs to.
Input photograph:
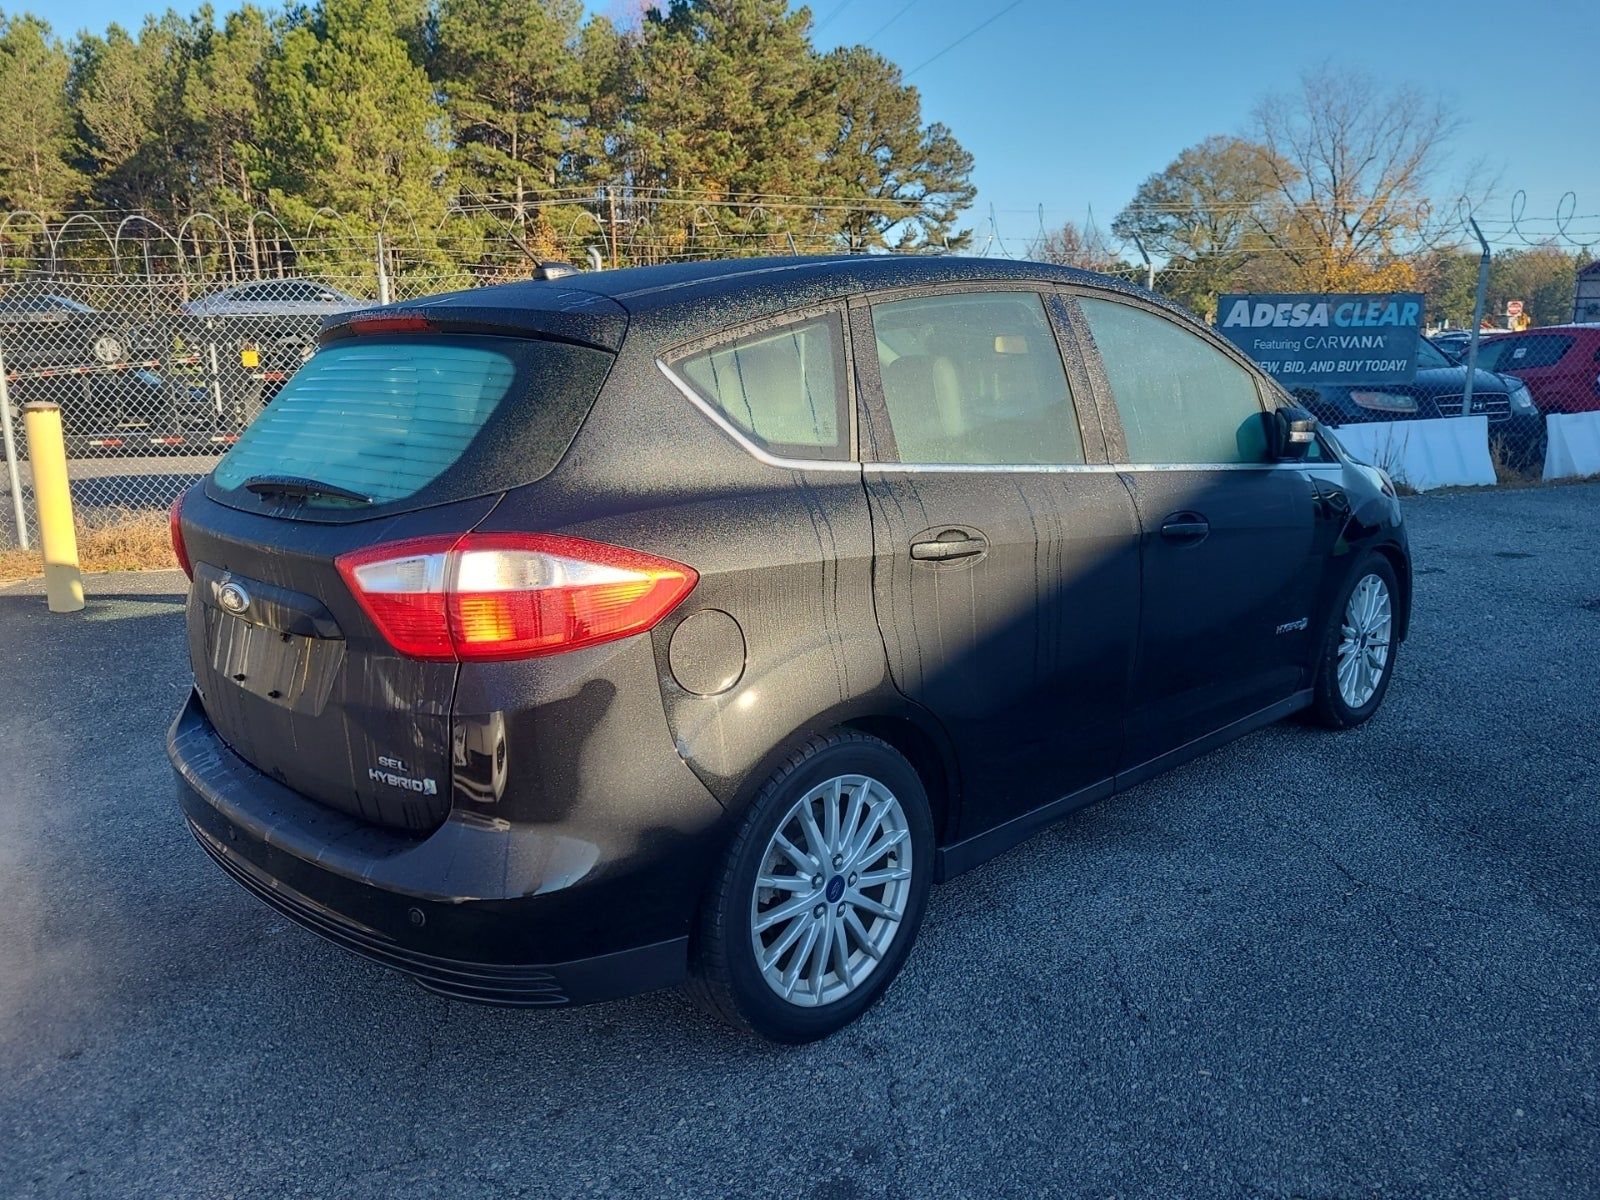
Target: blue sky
(1071, 105)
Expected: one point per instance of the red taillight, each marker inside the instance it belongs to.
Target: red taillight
(488, 596)
(175, 524)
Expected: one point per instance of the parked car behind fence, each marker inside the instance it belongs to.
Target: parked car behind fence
(143, 371)
(1559, 363)
(1516, 425)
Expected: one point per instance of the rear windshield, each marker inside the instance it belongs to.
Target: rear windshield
(384, 420)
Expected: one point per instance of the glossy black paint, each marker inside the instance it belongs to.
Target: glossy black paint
(1116, 620)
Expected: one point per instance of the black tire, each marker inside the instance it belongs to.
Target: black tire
(1328, 706)
(726, 978)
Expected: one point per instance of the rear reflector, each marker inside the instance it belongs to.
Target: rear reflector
(175, 527)
(491, 596)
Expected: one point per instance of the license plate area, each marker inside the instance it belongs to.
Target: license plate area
(286, 669)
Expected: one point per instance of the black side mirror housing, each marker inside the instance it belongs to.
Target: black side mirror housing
(1291, 431)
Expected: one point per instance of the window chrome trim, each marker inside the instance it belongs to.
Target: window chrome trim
(1067, 468)
(743, 442)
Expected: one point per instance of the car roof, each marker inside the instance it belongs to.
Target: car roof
(678, 302)
(643, 290)
(1569, 327)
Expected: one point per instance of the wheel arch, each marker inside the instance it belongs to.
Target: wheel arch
(911, 733)
(931, 759)
(1400, 563)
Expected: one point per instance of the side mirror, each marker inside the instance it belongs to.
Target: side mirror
(1291, 430)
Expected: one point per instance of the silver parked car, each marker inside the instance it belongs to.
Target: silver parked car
(273, 298)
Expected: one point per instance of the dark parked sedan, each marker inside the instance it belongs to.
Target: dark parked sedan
(1437, 390)
(565, 639)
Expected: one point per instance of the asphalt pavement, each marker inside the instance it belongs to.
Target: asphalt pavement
(1310, 964)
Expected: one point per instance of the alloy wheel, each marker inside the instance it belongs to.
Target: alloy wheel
(831, 891)
(1364, 641)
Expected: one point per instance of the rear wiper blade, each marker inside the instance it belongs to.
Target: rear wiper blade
(300, 485)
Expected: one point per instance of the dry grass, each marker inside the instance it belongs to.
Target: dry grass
(1506, 473)
(116, 539)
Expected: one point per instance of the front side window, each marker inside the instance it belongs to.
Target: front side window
(784, 389)
(975, 379)
(1181, 399)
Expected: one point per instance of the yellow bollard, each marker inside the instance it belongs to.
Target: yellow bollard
(47, 455)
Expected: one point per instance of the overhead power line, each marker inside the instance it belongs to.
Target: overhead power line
(898, 13)
(833, 12)
(979, 28)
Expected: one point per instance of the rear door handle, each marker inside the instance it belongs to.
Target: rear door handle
(1185, 529)
(950, 545)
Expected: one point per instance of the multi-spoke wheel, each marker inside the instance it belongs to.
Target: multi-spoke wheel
(832, 890)
(1359, 648)
(1364, 640)
(821, 893)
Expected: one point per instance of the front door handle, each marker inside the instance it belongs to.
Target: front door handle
(1185, 529)
(949, 546)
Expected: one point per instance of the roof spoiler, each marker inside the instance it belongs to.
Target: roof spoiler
(559, 314)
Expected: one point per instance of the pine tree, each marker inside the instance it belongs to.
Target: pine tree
(36, 134)
(349, 123)
(222, 96)
(727, 104)
(127, 93)
(918, 179)
(513, 85)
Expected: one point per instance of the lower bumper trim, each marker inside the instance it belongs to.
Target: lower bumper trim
(511, 985)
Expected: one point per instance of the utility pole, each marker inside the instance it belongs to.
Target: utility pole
(1477, 317)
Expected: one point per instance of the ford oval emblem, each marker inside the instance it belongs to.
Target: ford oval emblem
(233, 597)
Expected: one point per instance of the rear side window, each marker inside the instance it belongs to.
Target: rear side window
(389, 418)
(975, 379)
(1181, 399)
(1523, 353)
(784, 389)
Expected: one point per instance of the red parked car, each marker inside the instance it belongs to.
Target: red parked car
(1559, 363)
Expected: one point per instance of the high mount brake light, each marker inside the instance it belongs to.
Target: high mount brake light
(494, 596)
(397, 323)
(175, 526)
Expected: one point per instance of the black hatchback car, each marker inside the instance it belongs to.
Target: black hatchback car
(565, 639)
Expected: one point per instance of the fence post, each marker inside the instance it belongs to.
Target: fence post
(384, 291)
(47, 455)
(1149, 267)
(11, 455)
(216, 376)
(1477, 318)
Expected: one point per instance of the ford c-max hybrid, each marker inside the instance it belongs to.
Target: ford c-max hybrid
(565, 639)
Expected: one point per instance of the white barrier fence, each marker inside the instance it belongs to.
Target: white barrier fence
(1425, 454)
(1573, 446)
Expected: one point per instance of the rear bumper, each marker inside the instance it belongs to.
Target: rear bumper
(482, 911)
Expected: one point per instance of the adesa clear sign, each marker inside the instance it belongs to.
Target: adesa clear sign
(1312, 338)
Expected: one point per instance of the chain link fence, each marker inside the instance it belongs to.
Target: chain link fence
(152, 387)
(161, 346)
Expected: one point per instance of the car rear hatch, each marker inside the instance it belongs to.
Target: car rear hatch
(410, 431)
